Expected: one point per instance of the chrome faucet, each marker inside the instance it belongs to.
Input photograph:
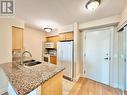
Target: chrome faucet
(27, 52)
(22, 55)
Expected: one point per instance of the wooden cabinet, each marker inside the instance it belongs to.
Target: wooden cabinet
(61, 37)
(53, 39)
(53, 60)
(66, 36)
(17, 38)
(53, 86)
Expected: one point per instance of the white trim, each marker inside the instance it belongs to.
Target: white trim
(126, 56)
(104, 22)
(96, 29)
(122, 25)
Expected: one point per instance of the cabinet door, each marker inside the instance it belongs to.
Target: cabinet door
(53, 39)
(69, 36)
(17, 38)
(53, 60)
(62, 37)
(66, 36)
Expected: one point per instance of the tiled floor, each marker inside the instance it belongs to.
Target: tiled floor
(67, 86)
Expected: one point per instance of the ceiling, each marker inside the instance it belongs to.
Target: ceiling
(57, 13)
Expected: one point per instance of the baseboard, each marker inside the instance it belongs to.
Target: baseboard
(115, 85)
(78, 76)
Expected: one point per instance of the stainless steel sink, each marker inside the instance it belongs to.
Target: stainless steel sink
(31, 63)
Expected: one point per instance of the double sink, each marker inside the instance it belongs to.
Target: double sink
(31, 62)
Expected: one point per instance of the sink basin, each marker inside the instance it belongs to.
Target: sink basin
(31, 62)
(28, 61)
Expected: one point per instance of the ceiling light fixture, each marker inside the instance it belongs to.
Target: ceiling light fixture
(48, 29)
(93, 4)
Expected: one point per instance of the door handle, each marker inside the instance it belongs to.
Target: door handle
(106, 58)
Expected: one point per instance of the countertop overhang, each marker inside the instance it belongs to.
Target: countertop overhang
(25, 79)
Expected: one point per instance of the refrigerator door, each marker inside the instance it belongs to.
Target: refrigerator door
(65, 57)
(69, 59)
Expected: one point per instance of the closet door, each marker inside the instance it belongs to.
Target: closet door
(122, 59)
(126, 56)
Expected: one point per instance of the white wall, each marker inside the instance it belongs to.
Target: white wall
(34, 42)
(67, 28)
(6, 37)
(100, 22)
(6, 45)
(77, 52)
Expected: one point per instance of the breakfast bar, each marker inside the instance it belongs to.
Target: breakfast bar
(25, 79)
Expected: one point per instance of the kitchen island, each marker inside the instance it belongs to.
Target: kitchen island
(25, 79)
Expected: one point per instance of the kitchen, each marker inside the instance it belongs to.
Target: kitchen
(82, 53)
(54, 52)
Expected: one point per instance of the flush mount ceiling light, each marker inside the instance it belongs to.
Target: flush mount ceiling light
(93, 4)
(48, 29)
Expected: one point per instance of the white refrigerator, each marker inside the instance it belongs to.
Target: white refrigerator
(65, 57)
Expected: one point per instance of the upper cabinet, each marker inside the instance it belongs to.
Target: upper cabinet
(68, 36)
(53, 39)
(17, 38)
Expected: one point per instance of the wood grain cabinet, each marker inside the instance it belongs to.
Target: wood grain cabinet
(53, 86)
(53, 39)
(61, 37)
(53, 60)
(66, 36)
(17, 38)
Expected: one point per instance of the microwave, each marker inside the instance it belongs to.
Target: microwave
(50, 45)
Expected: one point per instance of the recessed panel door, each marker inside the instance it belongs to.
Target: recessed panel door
(97, 55)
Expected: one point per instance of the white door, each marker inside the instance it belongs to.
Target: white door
(121, 59)
(97, 52)
(126, 56)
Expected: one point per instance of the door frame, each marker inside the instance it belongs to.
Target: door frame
(112, 29)
(126, 55)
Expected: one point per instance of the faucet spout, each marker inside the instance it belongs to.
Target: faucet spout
(27, 52)
(23, 54)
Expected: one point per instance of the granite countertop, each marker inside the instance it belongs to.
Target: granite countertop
(25, 79)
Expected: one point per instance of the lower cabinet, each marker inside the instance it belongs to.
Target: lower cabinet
(53, 86)
(53, 60)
